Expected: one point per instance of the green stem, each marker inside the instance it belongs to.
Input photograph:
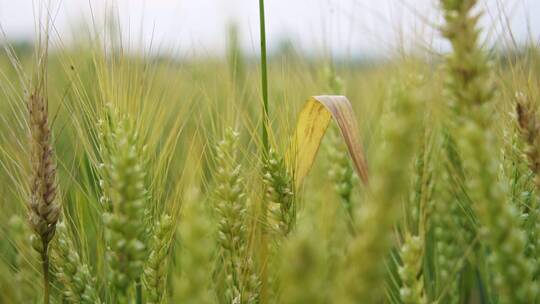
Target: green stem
(138, 291)
(266, 147)
(45, 264)
(264, 78)
(350, 216)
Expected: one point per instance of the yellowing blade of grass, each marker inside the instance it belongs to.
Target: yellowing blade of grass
(311, 126)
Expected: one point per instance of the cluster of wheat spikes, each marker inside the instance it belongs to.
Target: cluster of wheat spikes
(163, 201)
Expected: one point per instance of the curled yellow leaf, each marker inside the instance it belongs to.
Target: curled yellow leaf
(311, 126)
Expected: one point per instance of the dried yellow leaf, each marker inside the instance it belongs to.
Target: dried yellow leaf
(311, 126)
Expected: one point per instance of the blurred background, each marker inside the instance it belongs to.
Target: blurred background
(344, 28)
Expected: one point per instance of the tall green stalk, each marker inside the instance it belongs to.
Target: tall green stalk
(264, 77)
(266, 147)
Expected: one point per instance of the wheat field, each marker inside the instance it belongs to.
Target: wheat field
(131, 178)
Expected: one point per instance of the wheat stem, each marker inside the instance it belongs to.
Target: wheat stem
(264, 77)
(266, 144)
(46, 284)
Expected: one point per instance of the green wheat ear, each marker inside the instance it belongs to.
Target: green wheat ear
(450, 214)
(410, 271)
(470, 91)
(279, 194)
(125, 187)
(79, 284)
(341, 171)
(197, 253)
(412, 252)
(241, 279)
(156, 268)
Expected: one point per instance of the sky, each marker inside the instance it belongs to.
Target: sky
(342, 27)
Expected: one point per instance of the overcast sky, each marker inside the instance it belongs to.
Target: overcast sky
(343, 26)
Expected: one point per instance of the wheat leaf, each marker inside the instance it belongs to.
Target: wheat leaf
(311, 126)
